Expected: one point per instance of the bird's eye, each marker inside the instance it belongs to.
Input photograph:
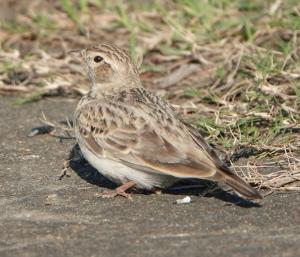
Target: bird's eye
(98, 58)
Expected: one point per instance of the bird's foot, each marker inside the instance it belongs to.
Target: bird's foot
(64, 171)
(157, 191)
(118, 191)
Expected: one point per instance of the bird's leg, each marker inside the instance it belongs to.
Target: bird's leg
(64, 170)
(119, 191)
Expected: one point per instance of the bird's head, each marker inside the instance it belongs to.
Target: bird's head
(108, 65)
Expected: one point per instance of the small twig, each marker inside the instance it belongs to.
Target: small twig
(51, 127)
(177, 75)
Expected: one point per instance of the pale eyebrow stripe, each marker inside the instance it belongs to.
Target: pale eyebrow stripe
(118, 53)
(113, 52)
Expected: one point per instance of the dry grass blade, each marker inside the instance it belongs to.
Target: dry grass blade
(177, 75)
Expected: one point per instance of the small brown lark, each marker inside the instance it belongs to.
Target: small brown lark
(136, 138)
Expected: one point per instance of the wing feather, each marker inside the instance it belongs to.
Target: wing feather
(137, 139)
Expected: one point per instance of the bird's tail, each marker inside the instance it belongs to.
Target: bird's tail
(239, 185)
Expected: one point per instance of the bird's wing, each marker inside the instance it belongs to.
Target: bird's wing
(199, 140)
(143, 137)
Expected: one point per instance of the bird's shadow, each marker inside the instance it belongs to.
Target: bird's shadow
(185, 187)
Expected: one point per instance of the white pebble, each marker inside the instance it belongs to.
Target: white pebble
(184, 200)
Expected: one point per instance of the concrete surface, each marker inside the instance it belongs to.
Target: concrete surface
(43, 216)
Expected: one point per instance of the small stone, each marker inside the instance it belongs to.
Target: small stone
(184, 200)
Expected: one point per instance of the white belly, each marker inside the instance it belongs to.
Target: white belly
(120, 173)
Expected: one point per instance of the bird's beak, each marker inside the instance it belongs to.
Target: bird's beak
(77, 54)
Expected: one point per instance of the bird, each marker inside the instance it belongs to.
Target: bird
(135, 138)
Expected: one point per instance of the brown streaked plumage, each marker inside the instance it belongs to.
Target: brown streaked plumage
(131, 135)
